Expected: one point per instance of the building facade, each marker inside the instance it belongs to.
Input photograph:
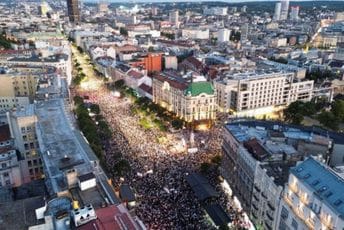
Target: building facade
(73, 11)
(250, 94)
(191, 101)
(313, 198)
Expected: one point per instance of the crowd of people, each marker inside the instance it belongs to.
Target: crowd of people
(164, 199)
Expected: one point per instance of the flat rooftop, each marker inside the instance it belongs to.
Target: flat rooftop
(59, 146)
(20, 214)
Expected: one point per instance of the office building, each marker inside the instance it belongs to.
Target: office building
(284, 9)
(277, 14)
(188, 98)
(73, 11)
(294, 13)
(244, 29)
(313, 198)
(260, 93)
(174, 18)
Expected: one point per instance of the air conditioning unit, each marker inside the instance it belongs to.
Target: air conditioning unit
(83, 215)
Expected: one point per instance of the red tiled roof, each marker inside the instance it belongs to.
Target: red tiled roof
(146, 88)
(173, 83)
(5, 133)
(135, 74)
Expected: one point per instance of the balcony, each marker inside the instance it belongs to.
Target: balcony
(256, 197)
(264, 195)
(257, 188)
(269, 216)
(271, 206)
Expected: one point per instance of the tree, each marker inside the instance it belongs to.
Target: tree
(338, 110)
(177, 123)
(119, 84)
(95, 108)
(329, 120)
(293, 113)
(123, 31)
(205, 166)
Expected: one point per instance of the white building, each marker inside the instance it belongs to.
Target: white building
(195, 33)
(174, 18)
(277, 14)
(313, 198)
(259, 93)
(171, 62)
(218, 11)
(294, 13)
(223, 35)
(284, 9)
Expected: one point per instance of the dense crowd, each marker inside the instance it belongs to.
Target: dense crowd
(165, 200)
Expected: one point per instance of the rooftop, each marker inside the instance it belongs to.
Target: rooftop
(60, 147)
(325, 183)
(197, 88)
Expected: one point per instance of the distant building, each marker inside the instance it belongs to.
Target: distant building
(217, 11)
(195, 33)
(277, 14)
(223, 35)
(294, 13)
(313, 198)
(339, 16)
(244, 29)
(174, 18)
(73, 11)
(171, 62)
(103, 7)
(284, 9)
(153, 62)
(243, 9)
(191, 100)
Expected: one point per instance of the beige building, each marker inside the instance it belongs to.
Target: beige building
(17, 90)
(191, 101)
(260, 93)
(23, 129)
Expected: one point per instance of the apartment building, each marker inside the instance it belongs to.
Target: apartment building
(10, 174)
(17, 89)
(23, 129)
(190, 99)
(261, 92)
(256, 161)
(313, 198)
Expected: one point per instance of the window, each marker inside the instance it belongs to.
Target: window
(6, 174)
(284, 213)
(3, 165)
(294, 224)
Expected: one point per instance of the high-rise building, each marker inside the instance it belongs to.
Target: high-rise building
(277, 14)
(223, 35)
(73, 10)
(103, 7)
(284, 9)
(174, 17)
(294, 13)
(244, 9)
(244, 32)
